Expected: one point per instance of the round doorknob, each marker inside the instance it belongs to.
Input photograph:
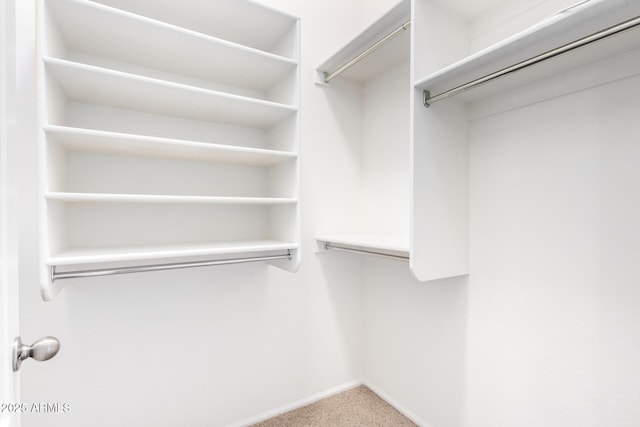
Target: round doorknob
(41, 350)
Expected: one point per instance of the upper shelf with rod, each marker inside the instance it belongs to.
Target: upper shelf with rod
(554, 45)
(388, 37)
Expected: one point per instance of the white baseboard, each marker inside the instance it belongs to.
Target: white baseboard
(397, 405)
(297, 404)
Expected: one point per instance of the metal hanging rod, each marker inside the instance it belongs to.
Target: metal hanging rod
(607, 32)
(158, 267)
(331, 246)
(329, 76)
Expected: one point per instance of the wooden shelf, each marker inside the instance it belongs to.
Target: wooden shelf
(95, 141)
(386, 245)
(88, 28)
(169, 199)
(80, 256)
(553, 32)
(96, 85)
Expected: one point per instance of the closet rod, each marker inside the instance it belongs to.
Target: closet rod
(158, 267)
(607, 32)
(329, 76)
(331, 246)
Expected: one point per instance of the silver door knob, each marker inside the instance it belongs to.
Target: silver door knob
(41, 350)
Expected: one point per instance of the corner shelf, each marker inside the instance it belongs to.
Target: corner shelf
(174, 138)
(383, 76)
(393, 52)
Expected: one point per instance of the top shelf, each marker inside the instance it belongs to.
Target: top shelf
(248, 23)
(558, 30)
(86, 28)
(385, 57)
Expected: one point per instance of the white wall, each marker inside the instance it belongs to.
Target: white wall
(545, 331)
(212, 346)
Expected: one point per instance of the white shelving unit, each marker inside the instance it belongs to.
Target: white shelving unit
(441, 132)
(479, 45)
(173, 139)
(560, 29)
(383, 80)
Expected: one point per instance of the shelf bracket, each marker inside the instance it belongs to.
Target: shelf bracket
(426, 96)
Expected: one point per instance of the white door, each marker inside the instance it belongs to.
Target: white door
(9, 393)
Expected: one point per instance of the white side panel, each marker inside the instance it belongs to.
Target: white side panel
(9, 381)
(440, 246)
(440, 154)
(385, 159)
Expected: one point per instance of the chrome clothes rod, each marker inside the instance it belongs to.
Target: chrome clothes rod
(158, 267)
(608, 32)
(331, 246)
(329, 76)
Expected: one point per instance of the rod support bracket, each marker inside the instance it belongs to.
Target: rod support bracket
(426, 96)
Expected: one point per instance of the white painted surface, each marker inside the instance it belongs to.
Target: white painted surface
(93, 200)
(94, 141)
(255, 338)
(563, 326)
(87, 29)
(364, 241)
(116, 89)
(394, 51)
(558, 30)
(9, 380)
(383, 156)
(543, 333)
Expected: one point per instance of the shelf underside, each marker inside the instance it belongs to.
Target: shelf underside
(88, 28)
(166, 199)
(100, 86)
(247, 23)
(101, 142)
(79, 256)
(568, 68)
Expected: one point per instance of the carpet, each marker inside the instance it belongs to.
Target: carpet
(357, 407)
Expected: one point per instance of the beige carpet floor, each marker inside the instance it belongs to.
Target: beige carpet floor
(358, 407)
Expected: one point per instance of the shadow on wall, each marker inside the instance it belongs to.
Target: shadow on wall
(341, 294)
(415, 336)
